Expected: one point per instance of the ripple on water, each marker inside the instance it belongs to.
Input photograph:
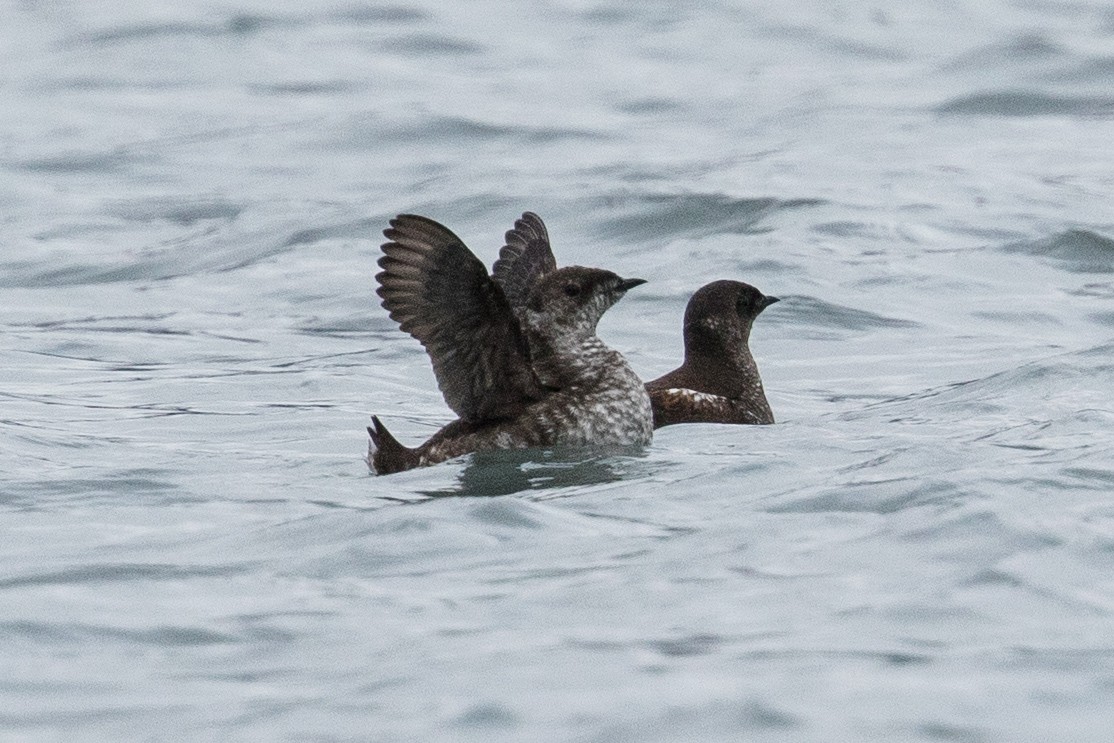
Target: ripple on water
(1098, 70)
(1022, 103)
(880, 496)
(357, 228)
(1076, 250)
(370, 133)
(111, 161)
(648, 106)
(1093, 478)
(182, 210)
(235, 25)
(639, 217)
(973, 531)
(1022, 49)
(432, 45)
(212, 247)
(305, 88)
(815, 318)
(126, 485)
(551, 471)
(1071, 381)
(364, 13)
(119, 573)
(81, 633)
(724, 720)
(1100, 289)
(486, 715)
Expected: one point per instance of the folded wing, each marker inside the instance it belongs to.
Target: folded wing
(440, 293)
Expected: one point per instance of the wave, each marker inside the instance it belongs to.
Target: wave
(805, 312)
(179, 210)
(1077, 250)
(660, 216)
(1021, 103)
(234, 25)
(431, 45)
(245, 24)
(1070, 382)
(212, 249)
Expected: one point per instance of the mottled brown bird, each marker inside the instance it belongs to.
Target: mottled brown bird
(515, 353)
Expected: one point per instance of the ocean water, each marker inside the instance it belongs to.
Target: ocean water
(192, 547)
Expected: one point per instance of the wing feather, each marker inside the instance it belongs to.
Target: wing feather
(526, 257)
(440, 293)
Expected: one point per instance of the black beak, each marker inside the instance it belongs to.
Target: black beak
(767, 301)
(628, 284)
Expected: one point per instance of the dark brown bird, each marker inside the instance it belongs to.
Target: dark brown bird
(516, 353)
(719, 381)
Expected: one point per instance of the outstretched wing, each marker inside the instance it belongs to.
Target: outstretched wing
(524, 259)
(440, 293)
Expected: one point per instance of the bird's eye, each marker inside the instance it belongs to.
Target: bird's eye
(572, 290)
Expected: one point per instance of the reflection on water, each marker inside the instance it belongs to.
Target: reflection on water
(506, 472)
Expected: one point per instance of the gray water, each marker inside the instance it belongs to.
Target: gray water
(192, 548)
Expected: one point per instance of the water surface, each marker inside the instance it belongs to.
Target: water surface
(920, 550)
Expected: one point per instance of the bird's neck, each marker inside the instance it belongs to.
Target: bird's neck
(722, 372)
(570, 359)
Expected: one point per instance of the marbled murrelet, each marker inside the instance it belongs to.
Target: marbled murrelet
(718, 381)
(515, 353)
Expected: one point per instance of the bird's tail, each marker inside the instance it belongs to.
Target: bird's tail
(385, 454)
